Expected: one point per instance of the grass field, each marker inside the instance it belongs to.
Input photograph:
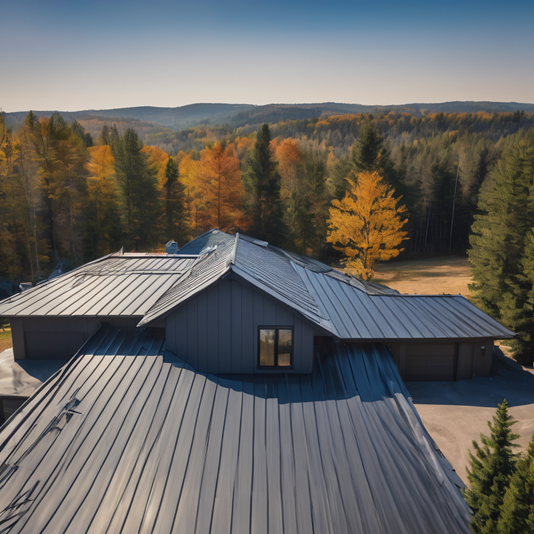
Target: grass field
(5, 339)
(429, 276)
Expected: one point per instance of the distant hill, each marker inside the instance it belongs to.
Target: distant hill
(149, 119)
(176, 118)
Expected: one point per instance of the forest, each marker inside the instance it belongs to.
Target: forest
(69, 196)
(462, 182)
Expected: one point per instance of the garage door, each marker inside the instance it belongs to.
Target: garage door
(430, 362)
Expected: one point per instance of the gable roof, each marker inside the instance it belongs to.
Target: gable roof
(153, 286)
(345, 306)
(128, 438)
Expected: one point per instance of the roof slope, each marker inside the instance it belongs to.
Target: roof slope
(152, 286)
(115, 285)
(357, 314)
(126, 438)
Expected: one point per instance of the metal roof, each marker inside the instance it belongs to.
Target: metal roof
(151, 287)
(209, 239)
(356, 314)
(116, 285)
(127, 438)
(207, 269)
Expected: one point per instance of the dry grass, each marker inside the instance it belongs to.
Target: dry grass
(5, 339)
(429, 276)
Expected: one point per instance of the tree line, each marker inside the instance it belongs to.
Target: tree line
(65, 195)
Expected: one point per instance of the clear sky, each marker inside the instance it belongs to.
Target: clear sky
(96, 54)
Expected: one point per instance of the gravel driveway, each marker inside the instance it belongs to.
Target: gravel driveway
(455, 413)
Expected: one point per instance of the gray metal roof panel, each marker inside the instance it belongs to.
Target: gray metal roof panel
(116, 443)
(114, 285)
(356, 314)
(209, 239)
(206, 270)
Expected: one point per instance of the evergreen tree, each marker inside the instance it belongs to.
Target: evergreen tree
(491, 468)
(105, 135)
(263, 183)
(370, 154)
(517, 514)
(137, 180)
(175, 213)
(499, 242)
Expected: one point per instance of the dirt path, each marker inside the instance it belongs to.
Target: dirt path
(444, 274)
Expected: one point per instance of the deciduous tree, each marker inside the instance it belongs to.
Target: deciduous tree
(219, 182)
(103, 228)
(366, 225)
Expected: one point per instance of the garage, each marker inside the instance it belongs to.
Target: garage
(431, 361)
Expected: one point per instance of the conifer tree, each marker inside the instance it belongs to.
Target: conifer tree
(137, 180)
(499, 243)
(370, 154)
(491, 467)
(263, 182)
(517, 513)
(175, 216)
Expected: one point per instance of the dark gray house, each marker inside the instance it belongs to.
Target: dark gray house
(230, 304)
(232, 388)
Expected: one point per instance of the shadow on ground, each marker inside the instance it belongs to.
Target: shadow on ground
(456, 413)
(508, 381)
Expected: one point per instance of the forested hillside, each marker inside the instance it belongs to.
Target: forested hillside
(74, 193)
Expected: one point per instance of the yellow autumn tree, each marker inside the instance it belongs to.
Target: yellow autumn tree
(102, 198)
(158, 158)
(366, 225)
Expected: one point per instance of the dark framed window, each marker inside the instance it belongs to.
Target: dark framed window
(275, 347)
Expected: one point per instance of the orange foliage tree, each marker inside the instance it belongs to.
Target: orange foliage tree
(289, 157)
(188, 168)
(366, 225)
(221, 189)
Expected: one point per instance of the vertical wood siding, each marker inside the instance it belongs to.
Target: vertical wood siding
(217, 331)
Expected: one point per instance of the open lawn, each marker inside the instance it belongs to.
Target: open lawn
(5, 339)
(430, 276)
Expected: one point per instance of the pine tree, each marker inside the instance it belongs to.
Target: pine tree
(175, 215)
(137, 180)
(366, 225)
(499, 243)
(370, 154)
(490, 470)
(263, 183)
(517, 511)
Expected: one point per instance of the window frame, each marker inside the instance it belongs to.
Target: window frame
(277, 367)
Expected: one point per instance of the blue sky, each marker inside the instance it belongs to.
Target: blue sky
(71, 55)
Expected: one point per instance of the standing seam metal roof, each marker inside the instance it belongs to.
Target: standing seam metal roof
(127, 438)
(151, 287)
(113, 285)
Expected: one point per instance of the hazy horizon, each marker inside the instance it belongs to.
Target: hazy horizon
(98, 55)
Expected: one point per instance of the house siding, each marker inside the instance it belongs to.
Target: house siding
(57, 338)
(217, 330)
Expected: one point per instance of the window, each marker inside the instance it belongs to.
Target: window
(276, 347)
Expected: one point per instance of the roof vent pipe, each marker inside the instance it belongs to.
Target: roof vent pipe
(171, 247)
